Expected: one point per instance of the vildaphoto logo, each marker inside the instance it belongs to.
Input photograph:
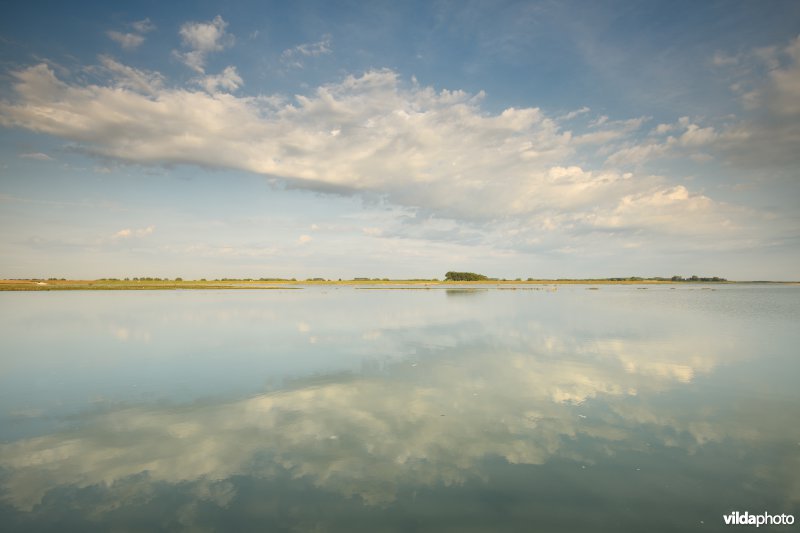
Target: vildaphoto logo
(765, 519)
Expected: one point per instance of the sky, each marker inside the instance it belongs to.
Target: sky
(400, 139)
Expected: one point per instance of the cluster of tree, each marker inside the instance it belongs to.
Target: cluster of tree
(252, 279)
(140, 279)
(449, 276)
(673, 278)
(464, 276)
(695, 278)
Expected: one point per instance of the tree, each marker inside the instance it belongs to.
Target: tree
(464, 276)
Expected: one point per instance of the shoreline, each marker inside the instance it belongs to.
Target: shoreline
(111, 285)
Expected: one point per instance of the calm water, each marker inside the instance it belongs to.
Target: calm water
(343, 409)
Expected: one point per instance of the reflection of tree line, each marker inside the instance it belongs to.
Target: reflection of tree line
(461, 292)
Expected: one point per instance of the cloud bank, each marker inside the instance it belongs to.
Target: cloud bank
(436, 153)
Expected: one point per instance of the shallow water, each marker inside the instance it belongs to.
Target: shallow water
(343, 409)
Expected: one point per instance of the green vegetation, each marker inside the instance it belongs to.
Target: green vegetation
(464, 276)
(147, 283)
(676, 279)
(695, 278)
(178, 283)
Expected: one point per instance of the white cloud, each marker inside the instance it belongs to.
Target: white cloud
(575, 113)
(372, 232)
(321, 47)
(767, 82)
(304, 239)
(722, 60)
(293, 56)
(670, 210)
(437, 152)
(126, 77)
(128, 233)
(599, 121)
(39, 156)
(637, 154)
(784, 92)
(664, 128)
(131, 41)
(767, 78)
(143, 26)
(229, 80)
(128, 41)
(599, 137)
(693, 136)
(697, 136)
(203, 38)
(612, 130)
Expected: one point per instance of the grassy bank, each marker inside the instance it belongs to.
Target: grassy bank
(104, 284)
(121, 285)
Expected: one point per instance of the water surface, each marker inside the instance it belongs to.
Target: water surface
(342, 409)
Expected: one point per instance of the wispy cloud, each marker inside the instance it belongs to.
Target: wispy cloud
(131, 41)
(294, 56)
(768, 84)
(575, 113)
(128, 41)
(39, 156)
(125, 77)
(229, 80)
(143, 26)
(201, 39)
(128, 232)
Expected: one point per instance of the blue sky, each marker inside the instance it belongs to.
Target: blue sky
(387, 139)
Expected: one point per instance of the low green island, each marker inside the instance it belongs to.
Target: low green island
(450, 278)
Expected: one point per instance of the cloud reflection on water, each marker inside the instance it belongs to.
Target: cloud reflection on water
(524, 388)
(422, 423)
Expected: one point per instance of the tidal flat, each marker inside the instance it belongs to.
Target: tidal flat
(339, 409)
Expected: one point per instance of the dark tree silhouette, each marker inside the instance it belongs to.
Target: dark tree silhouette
(464, 276)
